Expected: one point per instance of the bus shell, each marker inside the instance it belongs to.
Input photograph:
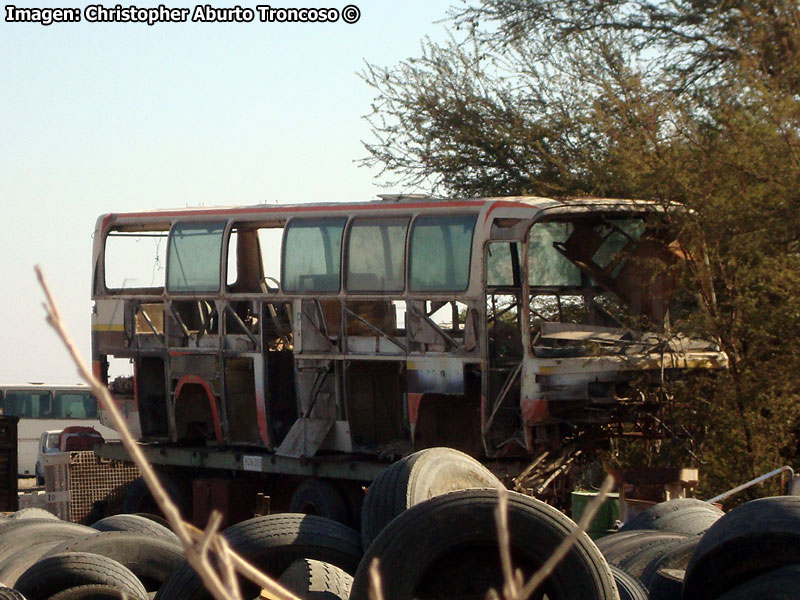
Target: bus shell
(286, 338)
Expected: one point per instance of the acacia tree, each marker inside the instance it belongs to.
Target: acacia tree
(687, 101)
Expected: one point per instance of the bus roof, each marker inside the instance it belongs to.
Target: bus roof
(386, 202)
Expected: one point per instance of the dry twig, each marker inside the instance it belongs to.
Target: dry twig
(197, 544)
(375, 586)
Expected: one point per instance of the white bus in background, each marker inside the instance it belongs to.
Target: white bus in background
(41, 408)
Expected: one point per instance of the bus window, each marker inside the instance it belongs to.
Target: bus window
(312, 255)
(30, 404)
(546, 265)
(502, 265)
(375, 255)
(74, 405)
(193, 261)
(441, 248)
(135, 259)
(254, 255)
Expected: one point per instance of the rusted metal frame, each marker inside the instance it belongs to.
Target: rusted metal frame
(172, 424)
(206, 322)
(184, 329)
(273, 314)
(377, 330)
(512, 376)
(161, 337)
(438, 329)
(228, 311)
(322, 329)
(503, 311)
(320, 376)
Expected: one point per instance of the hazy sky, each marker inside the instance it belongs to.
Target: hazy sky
(114, 117)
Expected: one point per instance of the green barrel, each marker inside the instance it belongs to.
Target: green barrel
(604, 518)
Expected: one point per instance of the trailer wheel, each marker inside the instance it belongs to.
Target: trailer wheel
(447, 548)
(9, 594)
(681, 515)
(781, 583)
(757, 537)
(416, 478)
(134, 524)
(316, 580)
(272, 543)
(61, 572)
(322, 498)
(151, 559)
(89, 592)
(628, 587)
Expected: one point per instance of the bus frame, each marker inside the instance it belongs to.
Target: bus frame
(269, 377)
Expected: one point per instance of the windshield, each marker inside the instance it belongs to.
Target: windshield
(603, 270)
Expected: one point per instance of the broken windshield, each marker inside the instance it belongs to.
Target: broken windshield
(600, 270)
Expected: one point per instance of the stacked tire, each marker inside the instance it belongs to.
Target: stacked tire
(690, 550)
(655, 546)
(42, 557)
(751, 552)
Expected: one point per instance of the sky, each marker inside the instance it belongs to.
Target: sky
(114, 117)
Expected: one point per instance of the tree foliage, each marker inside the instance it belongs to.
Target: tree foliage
(688, 101)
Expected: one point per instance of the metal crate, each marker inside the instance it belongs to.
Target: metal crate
(74, 481)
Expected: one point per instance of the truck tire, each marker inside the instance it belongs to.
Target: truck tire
(667, 584)
(16, 564)
(33, 531)
(677, 557)
(138, 498)
(628, 587)
(89, 592)
(34, 513)
(322, 498)
(780, 584)
(447, 548)
(316, 580)
(755, 538)
(61, 572)
(151, 559)
(416, 478)
(681, 515)
(633, 551)
(134, 524)
(272, 543)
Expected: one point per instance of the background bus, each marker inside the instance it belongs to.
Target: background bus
(42, 408)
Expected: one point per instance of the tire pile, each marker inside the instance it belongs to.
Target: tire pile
(429, 521)
(688, 549)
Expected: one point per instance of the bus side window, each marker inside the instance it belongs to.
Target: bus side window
(312, 255)
(193, 257)
(502, 265)
(254, 259)
(135, 261)
(441, 248)
(74, 405)
(28, 404)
